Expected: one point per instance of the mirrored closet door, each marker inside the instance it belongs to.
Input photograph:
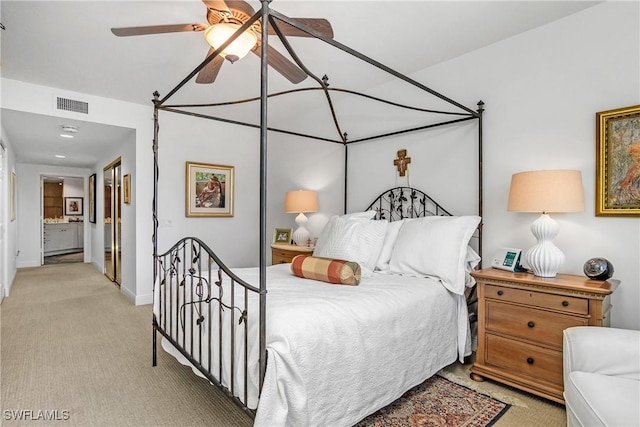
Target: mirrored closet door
(112, 204)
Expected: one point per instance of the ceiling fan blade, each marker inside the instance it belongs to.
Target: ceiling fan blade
(320, 25)
(210, 71)
(218, 5)
(157, 29)
(282, 65)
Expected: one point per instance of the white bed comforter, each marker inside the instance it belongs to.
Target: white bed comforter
(338, 353)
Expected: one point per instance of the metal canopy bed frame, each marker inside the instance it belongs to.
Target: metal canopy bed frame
(190, 262)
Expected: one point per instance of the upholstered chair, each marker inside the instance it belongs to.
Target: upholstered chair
(602, 376)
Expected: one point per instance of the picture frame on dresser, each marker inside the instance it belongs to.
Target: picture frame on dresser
(73, 206)
(209, 190)
(282, 235)
(92, 198)
(618, 162)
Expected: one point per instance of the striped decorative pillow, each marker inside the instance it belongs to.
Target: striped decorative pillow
(334, 271)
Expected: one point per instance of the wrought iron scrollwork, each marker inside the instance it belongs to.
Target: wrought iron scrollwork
(170, 264)
(405, 202)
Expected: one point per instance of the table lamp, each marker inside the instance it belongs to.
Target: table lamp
(299, 202)
(546, 191)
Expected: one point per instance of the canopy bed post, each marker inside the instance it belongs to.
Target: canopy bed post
(263, 190)
(346, 160)
(480, 174)
(156, 95)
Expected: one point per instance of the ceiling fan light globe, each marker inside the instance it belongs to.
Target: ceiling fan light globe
(217, 34)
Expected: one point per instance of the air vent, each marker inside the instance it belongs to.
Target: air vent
(72, 105)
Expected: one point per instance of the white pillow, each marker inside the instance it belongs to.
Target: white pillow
(359, 215)
(471, 260)
(359, 240)
(352, 216)
(390, 238)
(434, 246)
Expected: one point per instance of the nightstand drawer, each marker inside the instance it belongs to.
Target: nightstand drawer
(523, 359)
(539, 299)
(532, 324)
(281, 257)
(283, 254)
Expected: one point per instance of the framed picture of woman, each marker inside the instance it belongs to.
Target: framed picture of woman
(618, 162)
(209, 190)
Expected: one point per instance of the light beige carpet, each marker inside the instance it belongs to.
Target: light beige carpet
(73, 348)
(72, 342)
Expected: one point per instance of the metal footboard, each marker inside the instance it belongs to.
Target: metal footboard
(203, 309)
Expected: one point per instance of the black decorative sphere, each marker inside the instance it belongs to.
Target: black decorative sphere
(598, 269)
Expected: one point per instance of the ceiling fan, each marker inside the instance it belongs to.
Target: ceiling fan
(224, 18)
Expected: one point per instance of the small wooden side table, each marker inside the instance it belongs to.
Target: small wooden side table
(283, 253)
(521, 319)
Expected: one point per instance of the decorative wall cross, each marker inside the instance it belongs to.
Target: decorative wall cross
(402, 162)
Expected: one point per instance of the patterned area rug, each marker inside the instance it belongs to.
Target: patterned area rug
(438, 402)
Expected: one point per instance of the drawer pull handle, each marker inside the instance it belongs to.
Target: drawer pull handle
(500, 293)
(565, 303)
(531, 324)
(530, 360)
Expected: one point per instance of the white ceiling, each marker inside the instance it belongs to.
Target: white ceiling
(69, 45)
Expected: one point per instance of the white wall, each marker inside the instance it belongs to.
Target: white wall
(308, 165)
(542, 89)
(9, 229)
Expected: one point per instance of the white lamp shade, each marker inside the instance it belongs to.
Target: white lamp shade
(300, 201)
(546, 191)
(217, 34)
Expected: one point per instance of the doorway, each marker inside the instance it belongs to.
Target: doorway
(112, 221)
(62, 219)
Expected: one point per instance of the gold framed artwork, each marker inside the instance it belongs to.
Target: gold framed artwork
(209, 190)
(12, 197)
(92, 198)
(126, 189)
(282, 236)
(618, 162)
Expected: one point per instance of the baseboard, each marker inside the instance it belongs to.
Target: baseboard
(9, 284)
(27, 264)
(127, 293)
(144, 299)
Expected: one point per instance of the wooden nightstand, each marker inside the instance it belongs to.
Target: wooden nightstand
(283, 254)
(520, 322)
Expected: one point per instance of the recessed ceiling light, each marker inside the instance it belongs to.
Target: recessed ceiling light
(68, 131)
(60, 156)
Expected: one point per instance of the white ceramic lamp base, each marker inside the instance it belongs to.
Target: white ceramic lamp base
(301, 235)
(545, 258)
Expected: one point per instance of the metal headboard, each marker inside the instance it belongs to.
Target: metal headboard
(405, 202)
